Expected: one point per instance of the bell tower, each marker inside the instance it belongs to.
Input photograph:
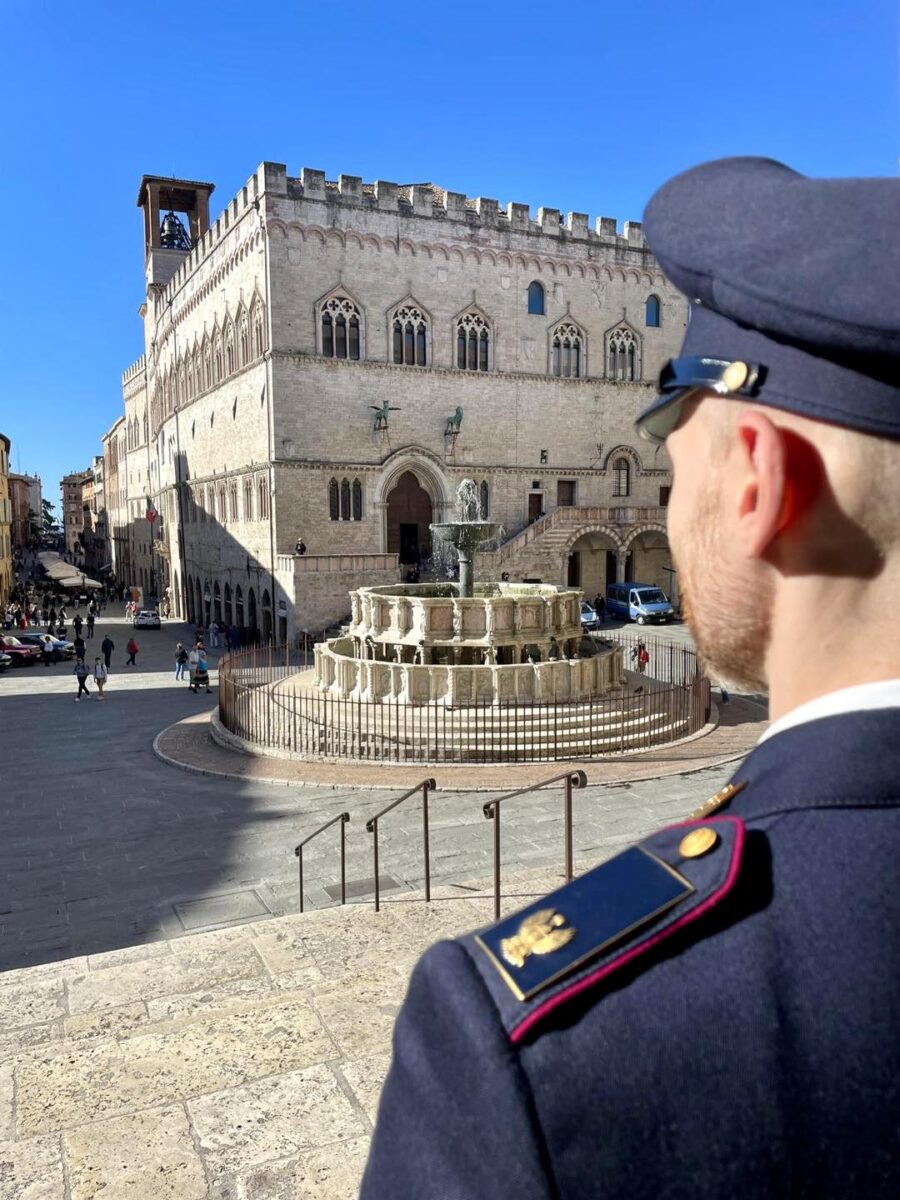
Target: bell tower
(176, 216)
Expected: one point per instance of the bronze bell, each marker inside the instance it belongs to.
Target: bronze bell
(172, 234)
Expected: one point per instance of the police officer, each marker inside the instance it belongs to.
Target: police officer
(714, 1012)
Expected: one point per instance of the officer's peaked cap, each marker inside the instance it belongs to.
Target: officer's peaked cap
(793, 285)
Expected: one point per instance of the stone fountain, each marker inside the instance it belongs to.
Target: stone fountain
(469, 533)
(466, 644)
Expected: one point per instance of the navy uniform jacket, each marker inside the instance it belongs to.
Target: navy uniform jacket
(744, 1043)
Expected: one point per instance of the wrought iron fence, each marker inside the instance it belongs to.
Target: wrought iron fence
(262, 701)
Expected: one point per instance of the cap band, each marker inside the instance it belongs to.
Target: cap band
(793, 379)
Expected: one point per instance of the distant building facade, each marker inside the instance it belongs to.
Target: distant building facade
(329, 361)
(6, 571)
(27, 513)
(72, 489)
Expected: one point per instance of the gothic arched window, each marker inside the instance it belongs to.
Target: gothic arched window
(567, 347)
(473, 343)
(259, 330)
(229, 351)
(622, 355)
(345, 499)
(651, 312)
(536, 298)
(243, 340)
(233, 497)
(621, 477)
(248, 499)
(263, 507)
(334, 501)
(340, 328)
(410, 336)
(357, 500)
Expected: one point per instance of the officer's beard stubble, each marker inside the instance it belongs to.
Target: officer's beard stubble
(726, 603)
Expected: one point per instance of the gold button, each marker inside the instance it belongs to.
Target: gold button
(735, 375)
(697, 842)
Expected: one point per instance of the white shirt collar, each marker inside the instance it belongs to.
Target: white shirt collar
(862, 697)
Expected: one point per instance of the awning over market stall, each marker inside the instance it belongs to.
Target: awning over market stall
(64, 573)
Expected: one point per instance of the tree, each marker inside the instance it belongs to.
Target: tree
(47, 514)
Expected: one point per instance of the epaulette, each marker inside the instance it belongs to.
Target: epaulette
(575, 938)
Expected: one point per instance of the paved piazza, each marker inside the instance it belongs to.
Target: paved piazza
(165, 1029)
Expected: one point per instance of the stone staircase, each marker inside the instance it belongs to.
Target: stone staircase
(540, 550)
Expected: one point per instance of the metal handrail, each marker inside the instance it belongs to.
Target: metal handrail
(491, 809)
(426, 786)
(343, 817)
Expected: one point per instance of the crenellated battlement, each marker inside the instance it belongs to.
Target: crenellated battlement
(451, 212)
(136, 368)
(430, 200)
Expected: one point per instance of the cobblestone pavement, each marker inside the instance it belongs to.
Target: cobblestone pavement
(105, 846)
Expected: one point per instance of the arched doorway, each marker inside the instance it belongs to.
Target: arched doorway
(251, 609)
(217, 603)
(409, 515)
(227, 608)
(591, 563)
(189, 598)
(239, 608)
(650, 557)
(198, 602)
(267, 616)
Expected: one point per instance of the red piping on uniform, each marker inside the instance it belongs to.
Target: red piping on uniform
(518, 1034)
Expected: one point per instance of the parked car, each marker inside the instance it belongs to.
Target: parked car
(22, 655)
(589, 618)
(5, 662)
(60, 647)
(146, 619)
(642, 602)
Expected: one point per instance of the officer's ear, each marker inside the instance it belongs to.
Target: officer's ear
(779, 475)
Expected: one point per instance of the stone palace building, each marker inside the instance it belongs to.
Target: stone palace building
(328, 360)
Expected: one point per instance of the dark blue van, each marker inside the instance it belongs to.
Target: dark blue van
(642, 602)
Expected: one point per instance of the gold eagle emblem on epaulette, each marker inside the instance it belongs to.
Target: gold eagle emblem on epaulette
(541, 932)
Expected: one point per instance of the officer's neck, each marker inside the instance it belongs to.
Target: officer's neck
(828, 634)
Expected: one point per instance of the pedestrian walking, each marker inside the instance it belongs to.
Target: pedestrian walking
(213, 634)
(100, 675)
(193, 660)
(640, 656)
(181, 661)
(77, 624)
(234, 638)
(80, 648)
(81, 673)
(107, 646)
(132, 649)
(201, 675)
(47, 649)
(600, 608)
(90, 625)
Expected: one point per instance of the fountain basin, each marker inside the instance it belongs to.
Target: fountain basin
(426, 644)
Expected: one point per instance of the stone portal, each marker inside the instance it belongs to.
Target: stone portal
(409, 515)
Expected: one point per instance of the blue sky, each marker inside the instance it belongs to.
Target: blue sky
(579, 106)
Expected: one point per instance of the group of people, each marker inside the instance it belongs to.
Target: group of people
(196, 661)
